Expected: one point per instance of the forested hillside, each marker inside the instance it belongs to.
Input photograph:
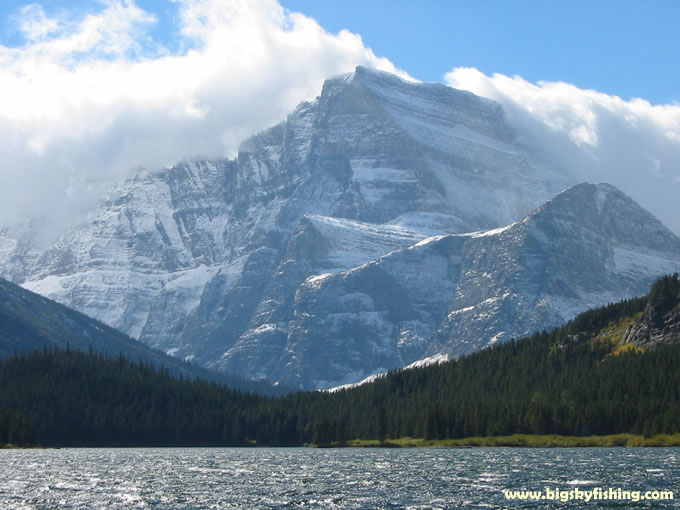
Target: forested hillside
(15, 428)
(580, 379)
(31, 322)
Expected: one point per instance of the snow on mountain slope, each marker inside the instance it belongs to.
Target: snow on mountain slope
(458, 293)
(350, 243)
(441, 117)
(149, 232)
(305, 260)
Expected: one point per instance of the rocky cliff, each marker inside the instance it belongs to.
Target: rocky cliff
(310, 258)
(659, 323)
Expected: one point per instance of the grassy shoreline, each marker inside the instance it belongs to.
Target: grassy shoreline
(523, 441)
(515, 440)
(10, 447)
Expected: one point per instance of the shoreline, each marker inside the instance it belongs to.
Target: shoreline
(10, 446)
(624, 440)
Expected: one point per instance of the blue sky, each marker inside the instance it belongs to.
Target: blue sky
(621, 47)
(94, 90)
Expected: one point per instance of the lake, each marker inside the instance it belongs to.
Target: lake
(254, 478)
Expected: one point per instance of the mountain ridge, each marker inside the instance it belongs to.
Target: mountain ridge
(30, 322)
(211, 260)
(462, 292)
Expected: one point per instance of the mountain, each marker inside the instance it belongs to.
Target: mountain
(30, 322)
(459, 293)
(334, 245)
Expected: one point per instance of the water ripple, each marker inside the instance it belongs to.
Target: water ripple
(270, 478)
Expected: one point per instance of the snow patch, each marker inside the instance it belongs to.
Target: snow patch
(349, 386)
(461, 310)
(494, 339)
(264, 329)
(492, 232)
(432, 360)
(437, 359)
(636, 263)
(315, 281)
(429, 240)
(50, 286)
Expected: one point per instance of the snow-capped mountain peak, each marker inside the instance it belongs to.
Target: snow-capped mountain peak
(338, 242)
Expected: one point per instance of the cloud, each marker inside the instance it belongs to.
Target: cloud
(34, 24)
(89, 98)
(87, 101)
(593, 136)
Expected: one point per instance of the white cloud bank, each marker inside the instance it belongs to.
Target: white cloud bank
(86, 102)
(593, 136)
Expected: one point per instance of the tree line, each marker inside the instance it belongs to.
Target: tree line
(566, 381)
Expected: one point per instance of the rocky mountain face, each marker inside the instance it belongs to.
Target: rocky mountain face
(458, 293)
(659, 323)
(337, 244)
(655, 328)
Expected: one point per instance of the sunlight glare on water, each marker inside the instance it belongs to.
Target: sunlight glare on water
(263, 478)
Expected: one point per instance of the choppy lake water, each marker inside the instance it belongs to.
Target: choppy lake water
(313, 478)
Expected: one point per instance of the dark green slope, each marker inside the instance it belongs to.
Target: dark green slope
(75, 398)
(584, 378)
(31, 322)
